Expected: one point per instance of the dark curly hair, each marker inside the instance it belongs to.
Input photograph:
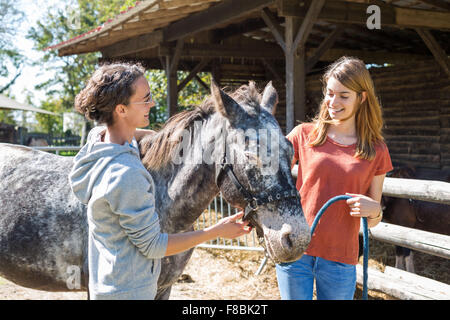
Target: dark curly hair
(110, 85)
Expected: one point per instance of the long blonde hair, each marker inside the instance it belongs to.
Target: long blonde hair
(353, 74)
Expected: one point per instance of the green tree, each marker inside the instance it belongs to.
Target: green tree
(191, 95)
(7, 116)
(72, 72)
(49, 123)
(10, 57)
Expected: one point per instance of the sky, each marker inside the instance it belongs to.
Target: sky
(31, 76)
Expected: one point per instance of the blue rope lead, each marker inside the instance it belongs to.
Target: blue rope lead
(365, 237)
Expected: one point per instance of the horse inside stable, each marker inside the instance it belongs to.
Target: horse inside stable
(417, 214)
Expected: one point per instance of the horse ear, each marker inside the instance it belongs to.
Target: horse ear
(224, 103)
(269, 99)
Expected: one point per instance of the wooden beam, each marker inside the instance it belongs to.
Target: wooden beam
(193, 73)
(221, 13)
(273, 51)
(415, 18)
(239, 28)
(438, 4)
(355, 13)
(438, 53)
(305, 29)
(262, 50)
(379, 57)
(324, 47)
(334, 11)
(274, 26)
(202, 83)
(176, 56)
(174, 4)
(133, 45)
(269, 66)
(196, 77)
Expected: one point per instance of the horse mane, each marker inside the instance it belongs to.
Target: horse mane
(157, 149)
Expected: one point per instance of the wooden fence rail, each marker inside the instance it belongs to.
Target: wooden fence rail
(426, 190)
(423, 241)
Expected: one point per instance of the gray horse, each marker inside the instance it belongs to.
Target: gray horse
(43, 227)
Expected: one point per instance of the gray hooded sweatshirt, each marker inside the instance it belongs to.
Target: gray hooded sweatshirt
(125, 242)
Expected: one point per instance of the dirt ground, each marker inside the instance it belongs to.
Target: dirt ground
(213, 274)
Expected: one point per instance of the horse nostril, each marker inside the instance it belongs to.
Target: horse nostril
(286, 233)
(286, 241)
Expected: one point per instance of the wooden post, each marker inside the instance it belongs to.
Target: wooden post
(295, 77)
(171, 67)
(299, 84)
(289, 58)
(295, 36)
(172, 90)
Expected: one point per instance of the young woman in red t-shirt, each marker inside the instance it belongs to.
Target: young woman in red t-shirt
(340, 152)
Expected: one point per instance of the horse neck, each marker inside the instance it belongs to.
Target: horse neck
(184, 190)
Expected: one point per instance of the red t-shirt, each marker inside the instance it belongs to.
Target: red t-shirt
(324, 172)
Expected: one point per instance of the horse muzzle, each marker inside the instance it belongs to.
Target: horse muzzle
(285, 242)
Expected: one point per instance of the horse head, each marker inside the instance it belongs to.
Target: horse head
(253, 169)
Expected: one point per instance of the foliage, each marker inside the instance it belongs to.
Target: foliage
(11, 17)
(6, 116)
(72, 72)
(191, 95)
(48, 123)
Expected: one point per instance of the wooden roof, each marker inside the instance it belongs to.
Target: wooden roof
(209, 24)
(8, 103)
(143, 18)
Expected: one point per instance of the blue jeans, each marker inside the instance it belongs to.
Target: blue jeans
(334, 280)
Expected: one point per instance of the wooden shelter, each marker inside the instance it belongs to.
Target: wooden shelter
(290, 42)
(8, 103)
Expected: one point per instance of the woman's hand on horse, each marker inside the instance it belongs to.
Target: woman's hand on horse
(230, 228)
(363, 206)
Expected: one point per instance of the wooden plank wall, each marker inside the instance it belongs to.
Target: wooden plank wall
(416, 109)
